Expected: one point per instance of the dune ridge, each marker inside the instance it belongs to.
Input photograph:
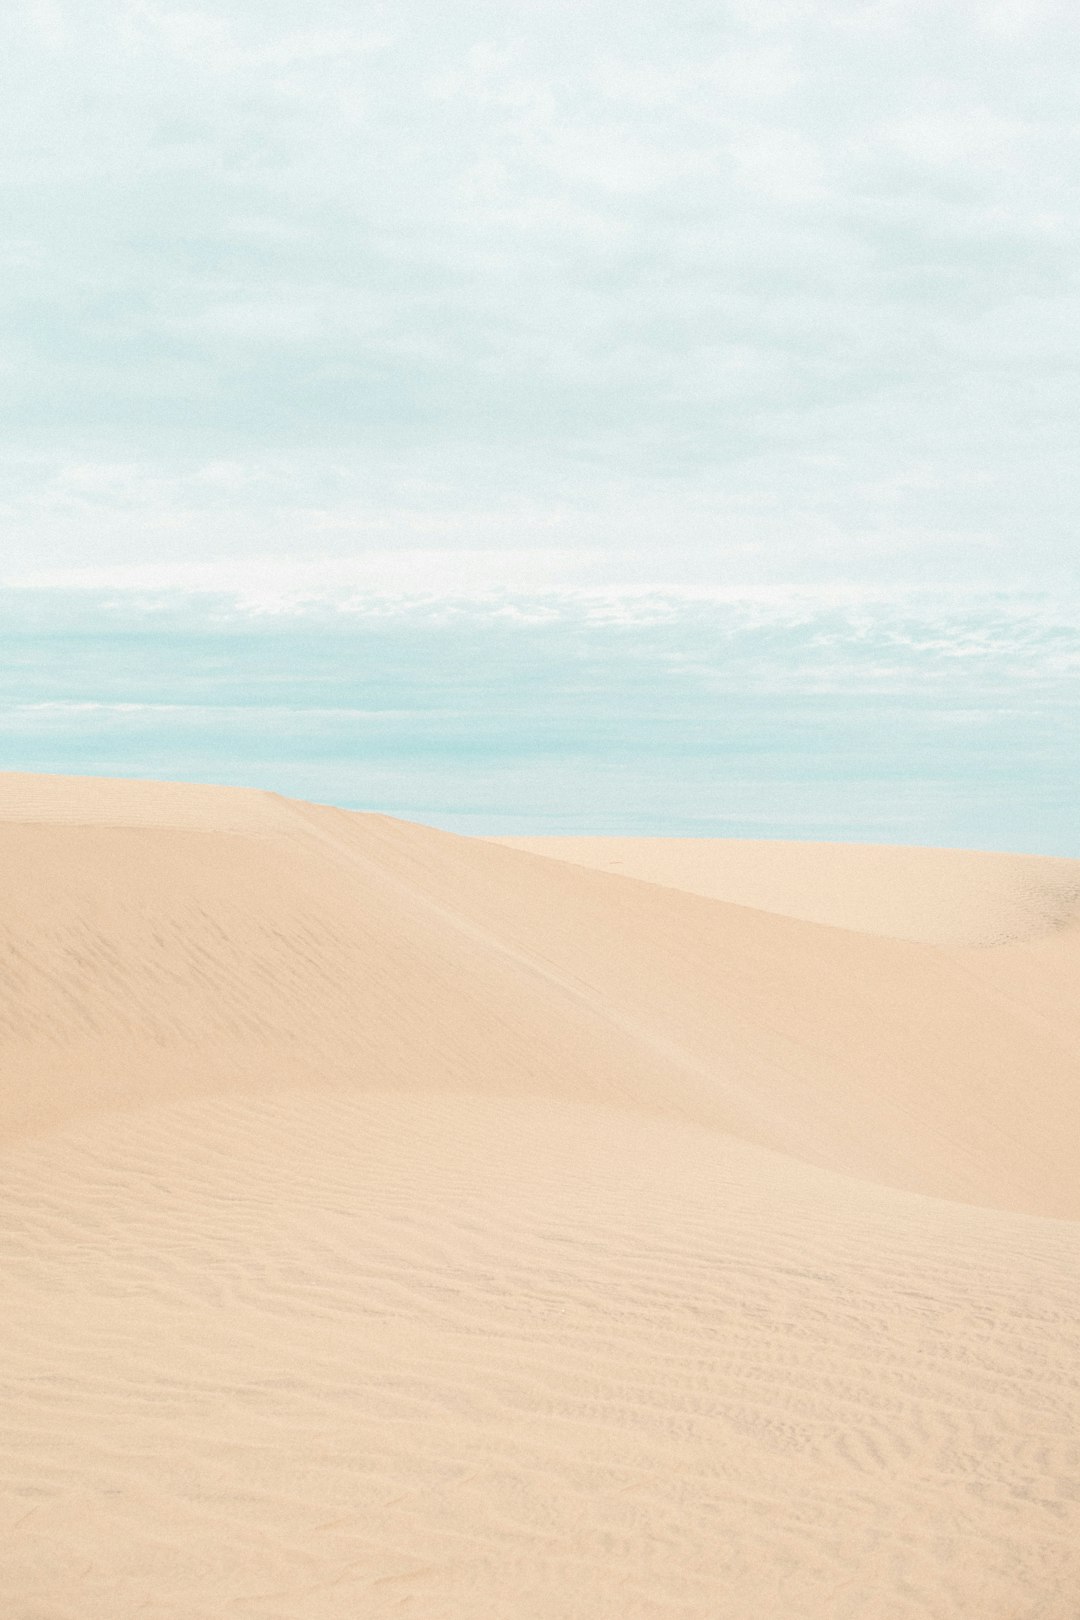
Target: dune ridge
(397, 1222)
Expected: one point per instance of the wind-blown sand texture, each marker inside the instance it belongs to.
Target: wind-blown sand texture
(400, 1224)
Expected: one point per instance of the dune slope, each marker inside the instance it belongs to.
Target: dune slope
(400, 1223)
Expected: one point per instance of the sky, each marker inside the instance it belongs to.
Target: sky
(743, 334)
(940, 719)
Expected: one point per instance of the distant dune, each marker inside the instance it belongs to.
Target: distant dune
(396, 1223)
(934, 896)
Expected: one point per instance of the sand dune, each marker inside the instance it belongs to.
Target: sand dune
(934, 896)
(397, 1223)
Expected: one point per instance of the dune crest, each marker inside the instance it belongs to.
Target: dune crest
(395, 1222)
(161, 941)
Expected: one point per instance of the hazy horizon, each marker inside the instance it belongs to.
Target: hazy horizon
(918, 717)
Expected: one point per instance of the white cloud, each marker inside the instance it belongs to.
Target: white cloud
(789, 287)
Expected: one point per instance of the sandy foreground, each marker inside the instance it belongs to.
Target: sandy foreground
(400, 1224)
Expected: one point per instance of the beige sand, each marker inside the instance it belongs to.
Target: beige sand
(936, 896)
(402, 1224)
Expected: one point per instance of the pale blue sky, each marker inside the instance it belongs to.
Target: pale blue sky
(938, 717)
(592, 416)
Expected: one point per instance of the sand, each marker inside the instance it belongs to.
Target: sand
(398, 1224)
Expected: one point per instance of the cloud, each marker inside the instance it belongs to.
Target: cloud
(785, 288)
